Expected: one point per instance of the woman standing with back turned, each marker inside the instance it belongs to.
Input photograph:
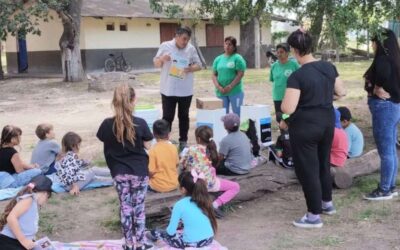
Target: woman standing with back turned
(309, 102)
(125, 138)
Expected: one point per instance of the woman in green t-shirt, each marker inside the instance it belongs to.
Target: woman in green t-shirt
(228, 71)
(280, 72)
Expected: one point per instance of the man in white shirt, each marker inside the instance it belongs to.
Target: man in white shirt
(178, 59)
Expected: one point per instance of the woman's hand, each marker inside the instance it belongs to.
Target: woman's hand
(220, 88)
(283, 125)
(227, 89)
(27, 243)
(381, 93)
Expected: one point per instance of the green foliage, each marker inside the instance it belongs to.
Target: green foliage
(221, 11)
(277, 36)
(19, 17)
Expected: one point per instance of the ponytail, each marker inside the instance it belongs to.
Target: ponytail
(205, 135)
(123, 127)
(212, 153)
(10, 206)
(199, 194)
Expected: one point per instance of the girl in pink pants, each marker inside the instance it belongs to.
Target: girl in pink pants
(203, 157)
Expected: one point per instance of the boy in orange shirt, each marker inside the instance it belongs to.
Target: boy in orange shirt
(163, 160)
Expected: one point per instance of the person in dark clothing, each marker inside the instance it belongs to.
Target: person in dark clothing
(281, 152)
(382, 83)
(309, 102)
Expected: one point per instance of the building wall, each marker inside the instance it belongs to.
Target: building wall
(139, 43)
(43, 50)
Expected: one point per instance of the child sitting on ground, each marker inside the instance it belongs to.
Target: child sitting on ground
(73, 172)
(282, 151)
(339, 144)
(203, 157)
(235, 150)
(163, 160)
(46, 150)
(355, 137)
(14, 171)
(194, 211)
(20, 220)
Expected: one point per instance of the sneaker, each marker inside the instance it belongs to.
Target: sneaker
(145, 247)
(219, 214)
(394, 191)
(329, 210)
(304, 222)
(378, 195)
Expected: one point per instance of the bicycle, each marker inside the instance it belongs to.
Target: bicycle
(118, 63)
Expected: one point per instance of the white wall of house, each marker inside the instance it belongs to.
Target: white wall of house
(266, 37)
(233, 29)
(48, 40)
(142, 33)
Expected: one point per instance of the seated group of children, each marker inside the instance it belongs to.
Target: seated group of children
(348, 141)
(47, 158)
(233, 158)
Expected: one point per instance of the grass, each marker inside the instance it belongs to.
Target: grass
(329, 241)
(113, 224)
(361, 186)
(46, 222)
(100, 161)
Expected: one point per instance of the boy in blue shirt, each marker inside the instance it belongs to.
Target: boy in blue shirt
(354, 134)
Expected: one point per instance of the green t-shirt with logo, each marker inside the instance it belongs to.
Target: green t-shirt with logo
(279, 76)
(227, 68)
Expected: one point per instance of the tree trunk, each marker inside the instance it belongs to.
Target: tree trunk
(1, 64)
(196, 45)
(70, 44)
(257, 43)
(317, 21)
(363, 165)
(247, 39)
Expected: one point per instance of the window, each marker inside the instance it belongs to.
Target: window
(214, 35)
(123, 27)
(110, 26)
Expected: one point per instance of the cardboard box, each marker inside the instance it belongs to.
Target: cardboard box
(209, 103)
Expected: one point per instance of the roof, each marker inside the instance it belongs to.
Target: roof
(135, 9)
(119, 8)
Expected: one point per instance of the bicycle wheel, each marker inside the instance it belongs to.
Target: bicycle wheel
(109, 65)
(126, 67)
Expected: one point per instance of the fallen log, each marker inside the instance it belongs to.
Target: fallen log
(268, 178)
(366, 164)
(265, 178)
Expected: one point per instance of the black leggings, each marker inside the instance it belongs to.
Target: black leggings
(10, 243)
(311, 135)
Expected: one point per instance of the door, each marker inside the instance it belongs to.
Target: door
(22, 55)
(167, 31)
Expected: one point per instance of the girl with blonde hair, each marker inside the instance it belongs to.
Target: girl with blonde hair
(125, 139)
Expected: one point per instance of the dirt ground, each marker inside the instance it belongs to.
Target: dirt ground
(261, 224)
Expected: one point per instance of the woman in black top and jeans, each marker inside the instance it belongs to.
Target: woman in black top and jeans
(382, 82)
(308, 100)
